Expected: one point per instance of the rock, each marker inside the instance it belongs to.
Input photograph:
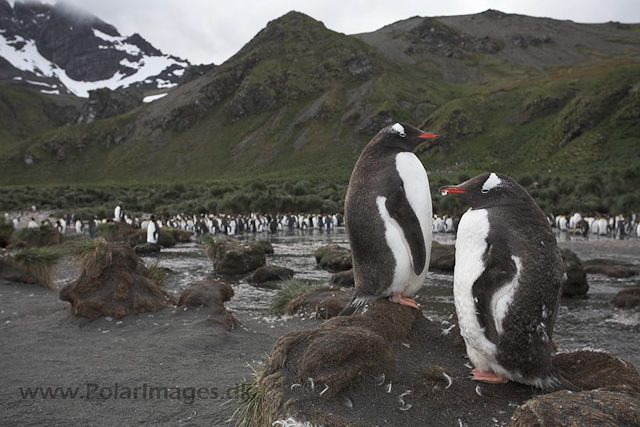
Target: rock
(230, 257)
(266, 246)
(443, 257)
(213, 294)
(333, 258)
(343, 278)
(610, 268)
(147, 248)
(627, 298)
(116, 285)
(576, 283)
(270, 273)
(105, 103)
(356, 370)
(324, 303)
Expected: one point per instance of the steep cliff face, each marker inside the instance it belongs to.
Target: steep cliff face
(58, 50)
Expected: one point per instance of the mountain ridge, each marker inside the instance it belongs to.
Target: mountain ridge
(56, 49)
(300, 99)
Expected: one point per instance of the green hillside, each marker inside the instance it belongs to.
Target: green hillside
(300, 102)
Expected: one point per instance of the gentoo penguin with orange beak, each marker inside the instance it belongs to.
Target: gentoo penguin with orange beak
(507, 281)
(388, 218)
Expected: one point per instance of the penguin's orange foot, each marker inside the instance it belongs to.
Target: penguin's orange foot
(488, 377)
(399, 299)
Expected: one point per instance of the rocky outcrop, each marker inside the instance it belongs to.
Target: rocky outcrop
(627, 298)
(391, 363)
(270, 273)
(610, 268)
(230, 257)
(323, 303)
(576, 283)
(116, 283)
(212, 294)
(105, 103)
(343, 278)
(333, 258)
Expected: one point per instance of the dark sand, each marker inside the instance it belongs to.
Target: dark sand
(43, 346)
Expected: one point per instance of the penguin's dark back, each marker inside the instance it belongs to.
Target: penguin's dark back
(524, 230)
(374, 175)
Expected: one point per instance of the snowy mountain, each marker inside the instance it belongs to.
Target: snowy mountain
(58, 50)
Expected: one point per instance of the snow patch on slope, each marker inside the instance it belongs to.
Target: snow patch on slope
(27, 58)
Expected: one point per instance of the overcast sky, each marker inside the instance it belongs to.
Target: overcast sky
(206, 31)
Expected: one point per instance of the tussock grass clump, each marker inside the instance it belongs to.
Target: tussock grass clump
(87, 252)
(39, 262)
(108, 231)
(248, 404)
(45, 235)
(289, 289)
(6, 230)
(157, 274)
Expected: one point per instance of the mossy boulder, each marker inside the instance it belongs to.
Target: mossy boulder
(610, 268)
(147, 249)
(270, 273)
(392, 364)
(443, 257)
(232, 258)
(343, 278)
(627, 298)
(322, 303)
(116, 231)
(334, 258)
(114, 282)
(212, 294)
(576, 283)
(45, 235)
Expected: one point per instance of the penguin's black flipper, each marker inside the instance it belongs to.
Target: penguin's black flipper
(401, 211)
(499, 270)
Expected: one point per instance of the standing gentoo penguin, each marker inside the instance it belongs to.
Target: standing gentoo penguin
(388, 218)
(507, 282)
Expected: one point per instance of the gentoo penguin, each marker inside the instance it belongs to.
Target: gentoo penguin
(507, 281)
(388, 218)
(152, 231)
(32, 223)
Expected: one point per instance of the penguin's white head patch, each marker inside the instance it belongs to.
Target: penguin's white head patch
(397, 128)
(492, 182)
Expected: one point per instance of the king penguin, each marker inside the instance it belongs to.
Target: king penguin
(507, 281)
(388, 218)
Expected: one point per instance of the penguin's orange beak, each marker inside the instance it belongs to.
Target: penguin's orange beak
(428, 135)
(452, 190)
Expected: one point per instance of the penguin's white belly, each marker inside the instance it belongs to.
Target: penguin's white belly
(151, 238)
(471, 245)
(416, 187)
